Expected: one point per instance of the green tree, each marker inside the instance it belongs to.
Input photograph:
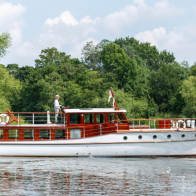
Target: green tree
(51, 55)
(131, 73)
(112, 57)
(189, 94)
(164, 84)
(193, 70)
(146, 52)
(91, 55)
(9, 90)
(23, 73)
(5, 43)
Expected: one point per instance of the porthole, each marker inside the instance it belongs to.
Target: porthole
(154, 137)
(169, 136)
(182, 135)
(139, 137)
(125, 137)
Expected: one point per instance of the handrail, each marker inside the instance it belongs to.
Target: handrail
(31, 113)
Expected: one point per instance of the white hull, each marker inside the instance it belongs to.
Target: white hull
(107, 145)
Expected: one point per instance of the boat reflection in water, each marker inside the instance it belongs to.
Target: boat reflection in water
(99, 176)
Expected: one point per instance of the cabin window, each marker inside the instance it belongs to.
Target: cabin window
(1, 134)
(28, 134)
(121, 118)
(13, 134)
(100, 118)
(44, 134)
(75, 118)
(59, 134)
(75, 133)
(88, 118)
(111, 118)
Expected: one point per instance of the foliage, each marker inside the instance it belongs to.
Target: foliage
(147, 82)
(189, 94)
(91, 55)
(165, 83)
(9, 89)
(5, 43)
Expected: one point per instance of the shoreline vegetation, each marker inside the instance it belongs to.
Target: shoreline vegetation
(148, 83)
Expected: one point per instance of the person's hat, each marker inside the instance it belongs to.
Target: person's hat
(57, 96)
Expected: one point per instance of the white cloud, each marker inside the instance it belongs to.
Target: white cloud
(86, 19)
(65, 17)
(9, 14)
(154, 37)
(160, 9)
(70, 35)
(181, 40)
(116, 20)
(11, 20)
(130, 14)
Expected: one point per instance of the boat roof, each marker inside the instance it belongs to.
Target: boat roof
(94, 110)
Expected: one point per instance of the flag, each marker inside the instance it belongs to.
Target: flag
(110, 96)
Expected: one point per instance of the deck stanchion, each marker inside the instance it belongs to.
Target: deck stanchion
(67, 133)
(64, 119)
(139, 122)
(18, 119)
(33, 134)
(133, 125)
(84, 132)
(164, 124)
(33, 118)
(154, 124)
(100, 129)
(16, 135)
(149, 124)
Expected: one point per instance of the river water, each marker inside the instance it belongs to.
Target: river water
(97, 176)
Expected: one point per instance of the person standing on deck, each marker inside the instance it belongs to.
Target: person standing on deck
(56, 107)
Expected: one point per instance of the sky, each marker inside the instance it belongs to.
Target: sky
(68, 25)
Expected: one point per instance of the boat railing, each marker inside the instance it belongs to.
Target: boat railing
(48, 118)
(170, 123)
(33, 133)
(49, 132)
(33, 118)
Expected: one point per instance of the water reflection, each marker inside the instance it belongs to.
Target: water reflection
(97, 176)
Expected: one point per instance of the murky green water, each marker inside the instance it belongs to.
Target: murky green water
(97, 176)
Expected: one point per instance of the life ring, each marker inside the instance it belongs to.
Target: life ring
(4, 122)
(177, 125)
(173, 124)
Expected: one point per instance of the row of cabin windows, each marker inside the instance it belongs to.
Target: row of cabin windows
(100, 118)
(28, 134)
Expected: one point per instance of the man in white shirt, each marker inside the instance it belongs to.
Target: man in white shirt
(56, 107)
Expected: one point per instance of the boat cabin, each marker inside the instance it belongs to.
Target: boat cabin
(75, 123)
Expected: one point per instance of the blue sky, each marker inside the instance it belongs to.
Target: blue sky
(68, 25)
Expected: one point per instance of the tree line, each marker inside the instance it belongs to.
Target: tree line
(147, 82)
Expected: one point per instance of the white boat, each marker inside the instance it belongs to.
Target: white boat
(95, 132)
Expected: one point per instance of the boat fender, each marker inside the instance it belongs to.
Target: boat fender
(6, 121)
(173, 124)
(178, 127)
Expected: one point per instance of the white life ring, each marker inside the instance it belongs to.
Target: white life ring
(4, 116)
(177, 125)
(173, 124)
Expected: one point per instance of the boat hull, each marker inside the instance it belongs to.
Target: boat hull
(115, 145)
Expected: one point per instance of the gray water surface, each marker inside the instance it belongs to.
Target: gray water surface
(98, 176)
